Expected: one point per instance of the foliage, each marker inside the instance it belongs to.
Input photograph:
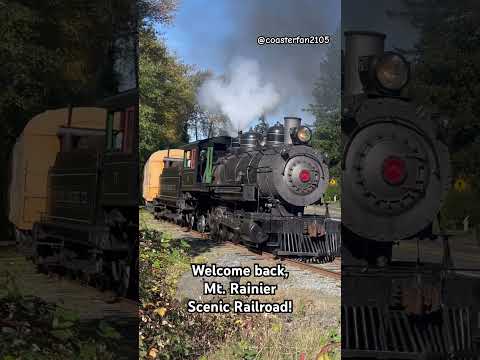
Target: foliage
(47, 61)
(261, 126)
(167, 96)
(459, 205)
(327, 138)
(169, 111)
(53, 63)
(327, 89)
(332, 192)
(326, 109)
(270, 337)
(216, 123)
(245, 350)
(156, 11)
(447, 77)
(167, 330)
(33, 329)
(204, 123)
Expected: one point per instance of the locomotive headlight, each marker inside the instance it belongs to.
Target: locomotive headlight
(304, 134)
(392, 71)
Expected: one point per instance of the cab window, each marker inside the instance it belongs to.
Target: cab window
(187, 159)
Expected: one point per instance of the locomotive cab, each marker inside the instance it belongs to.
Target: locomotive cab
(81, 139)
(199, 158)
(121, 155)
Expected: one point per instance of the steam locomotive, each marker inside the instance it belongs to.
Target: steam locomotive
(396, 174)
(89, 221)
(253, 191)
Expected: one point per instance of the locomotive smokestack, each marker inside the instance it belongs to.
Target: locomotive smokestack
(357, 44)
(290, 123)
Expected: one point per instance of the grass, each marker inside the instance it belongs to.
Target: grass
(277, 339)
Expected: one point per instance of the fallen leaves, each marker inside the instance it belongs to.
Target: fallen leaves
(160, 311)
(152, 354)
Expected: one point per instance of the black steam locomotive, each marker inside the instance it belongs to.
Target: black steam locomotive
(91, 221)
(254, 192)
(396, 174)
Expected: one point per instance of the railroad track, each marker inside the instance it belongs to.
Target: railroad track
(331, 270)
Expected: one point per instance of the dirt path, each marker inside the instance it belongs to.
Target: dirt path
(88, 302)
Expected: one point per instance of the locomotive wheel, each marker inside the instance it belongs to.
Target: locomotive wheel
(214, 224)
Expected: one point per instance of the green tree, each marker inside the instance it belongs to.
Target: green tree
(262, 125)
(447, 71)
(156, 12)
(327, 89)
(203, 123)
(55, 53)
(446, 76)
(216, 124)
(48, 61)
(327, 138)
(326, 109)
(167, 96)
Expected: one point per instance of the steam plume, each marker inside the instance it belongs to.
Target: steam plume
(240, 94)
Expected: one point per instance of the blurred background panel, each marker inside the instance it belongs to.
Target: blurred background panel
(69, 154)
(410, 179)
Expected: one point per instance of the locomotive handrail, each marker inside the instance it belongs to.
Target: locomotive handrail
(249, 166)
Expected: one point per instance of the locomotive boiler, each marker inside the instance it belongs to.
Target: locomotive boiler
(287, 170)
(396, 174)
(254, 192)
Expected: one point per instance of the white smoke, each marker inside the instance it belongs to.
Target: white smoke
(240, 94)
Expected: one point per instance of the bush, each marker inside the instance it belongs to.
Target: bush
(32, 329)
(167, 330)
(332, 191)
(459, 205)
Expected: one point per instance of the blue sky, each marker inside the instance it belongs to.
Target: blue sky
(208, 33)
(197, 42)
